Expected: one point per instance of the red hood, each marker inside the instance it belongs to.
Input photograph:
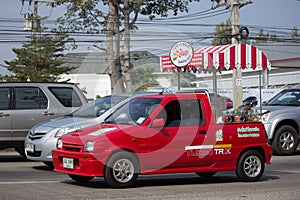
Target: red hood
(80, 136)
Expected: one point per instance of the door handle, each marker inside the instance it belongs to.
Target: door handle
(4, 115)
(47, 113)
(202, 132)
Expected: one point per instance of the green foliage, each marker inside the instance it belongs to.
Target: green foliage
(222, 34)
(162, 7)
(143, 79)
(262, 38)
(40, 59)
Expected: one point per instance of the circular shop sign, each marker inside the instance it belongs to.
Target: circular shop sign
(181, 54)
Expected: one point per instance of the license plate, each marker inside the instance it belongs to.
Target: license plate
(30, 148)
(68, 163)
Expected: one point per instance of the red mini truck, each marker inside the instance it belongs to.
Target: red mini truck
(161, 134)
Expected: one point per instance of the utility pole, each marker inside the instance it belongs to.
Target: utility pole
(235, 23)
(35, 19)
(237, 73)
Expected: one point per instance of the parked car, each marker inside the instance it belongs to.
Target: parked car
(281, 117)
(252, 100)
(159, 134)
(25, 104)
(41, 139)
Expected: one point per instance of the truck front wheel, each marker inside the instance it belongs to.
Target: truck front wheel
(121, 170)
(250, 166)
(285, 141)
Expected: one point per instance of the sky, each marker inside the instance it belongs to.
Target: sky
(274, 16)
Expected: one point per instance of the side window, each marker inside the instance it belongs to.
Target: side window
(183, 113)
(30, 98)
(66, 96)
(4, 99)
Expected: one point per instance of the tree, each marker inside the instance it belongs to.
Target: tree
(222, 34)
(143, 79)
(40, 59)
(295, 34)
(262, 38)
(87, 15)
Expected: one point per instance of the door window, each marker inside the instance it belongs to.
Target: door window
(4, 99)
(30, 98)
(183, 113)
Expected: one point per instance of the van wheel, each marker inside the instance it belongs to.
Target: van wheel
(121, 170)
(285, 141)
(250, 166)
(21, 151)
(80, 179)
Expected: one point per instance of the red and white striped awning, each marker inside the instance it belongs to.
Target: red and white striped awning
(224, 57)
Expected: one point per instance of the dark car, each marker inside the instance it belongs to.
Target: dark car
(252, 100)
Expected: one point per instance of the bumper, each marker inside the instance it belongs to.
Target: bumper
(42, 149)
(268, 153)
(85, 164)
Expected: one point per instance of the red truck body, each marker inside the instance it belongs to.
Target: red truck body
(161, 141)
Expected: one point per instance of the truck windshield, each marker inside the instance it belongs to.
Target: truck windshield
(135, 112)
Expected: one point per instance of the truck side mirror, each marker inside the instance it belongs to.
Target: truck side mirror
(158, 123)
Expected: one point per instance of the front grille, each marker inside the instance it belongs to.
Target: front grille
(72, 147)
(36, 136)
(35, 154)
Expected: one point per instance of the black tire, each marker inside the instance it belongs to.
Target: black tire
(250, 166)
(206, 175)
(121, 170)
(285, 141)
(21, 151)
(80, 179)
(49, 164)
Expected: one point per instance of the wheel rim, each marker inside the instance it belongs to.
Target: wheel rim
(286, 141)
(123, 170)
(252, 166)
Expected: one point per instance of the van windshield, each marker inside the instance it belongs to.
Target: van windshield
(134, 112)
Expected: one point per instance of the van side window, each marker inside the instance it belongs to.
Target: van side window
(30, 98)
(66, 96)
(4, 99)
(183, 113)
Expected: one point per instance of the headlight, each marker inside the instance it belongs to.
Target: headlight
(89, 146)
(59, 143)
(61, 132)
(265, 117)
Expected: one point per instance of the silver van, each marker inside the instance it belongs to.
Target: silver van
(25, 104)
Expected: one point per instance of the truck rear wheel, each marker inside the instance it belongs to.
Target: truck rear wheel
(285, 141)
(250, 166)
(121, 170)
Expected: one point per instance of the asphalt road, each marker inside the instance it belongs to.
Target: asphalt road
(21, 179)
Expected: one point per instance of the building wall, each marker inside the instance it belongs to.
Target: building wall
(92, 84)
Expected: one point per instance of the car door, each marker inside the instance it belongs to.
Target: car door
(30, 108)
(5, 113)
(181, 141)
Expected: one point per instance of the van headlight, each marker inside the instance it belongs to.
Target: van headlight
(62, 131)
(89, 146)
(59, 143)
